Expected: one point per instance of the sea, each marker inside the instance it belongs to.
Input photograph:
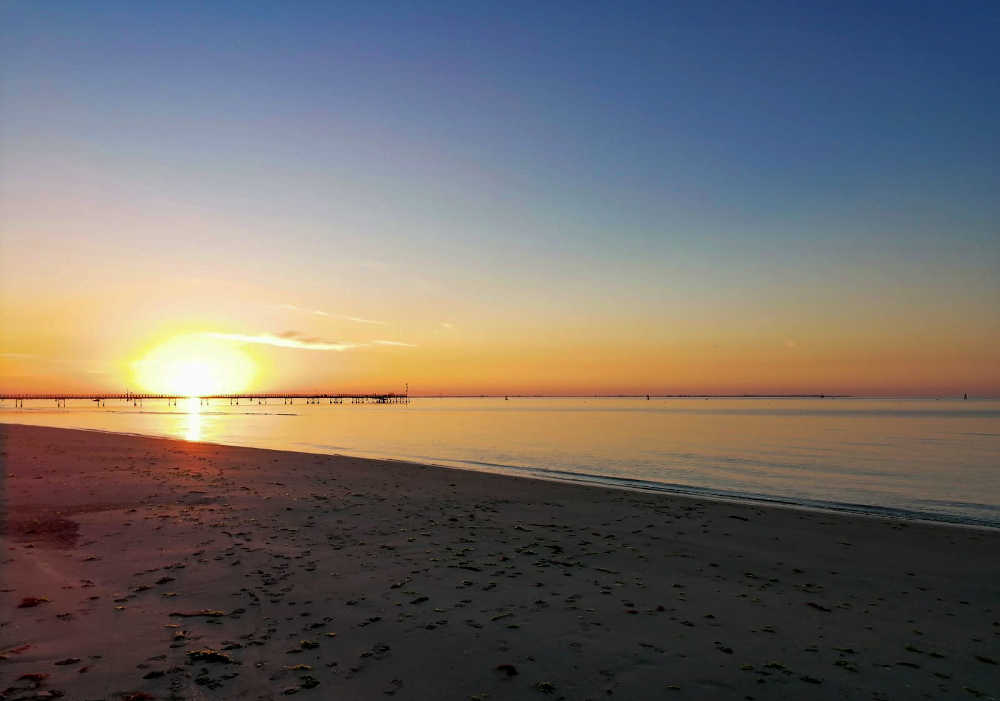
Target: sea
(930, 459)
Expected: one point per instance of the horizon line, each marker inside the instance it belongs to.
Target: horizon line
(39, 396)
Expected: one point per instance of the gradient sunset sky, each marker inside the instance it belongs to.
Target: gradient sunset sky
(500, 198)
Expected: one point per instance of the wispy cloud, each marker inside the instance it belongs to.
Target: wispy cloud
(394, 343)
(359, 320)
(320, 312)
(16, 355)
(288, 339)
(447, 324)
(302, 310)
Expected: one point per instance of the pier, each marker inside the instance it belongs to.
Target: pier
(137, 398)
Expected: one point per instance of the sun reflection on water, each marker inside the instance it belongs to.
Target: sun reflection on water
(192, 432)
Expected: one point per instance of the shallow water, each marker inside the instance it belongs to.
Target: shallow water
(935, 459)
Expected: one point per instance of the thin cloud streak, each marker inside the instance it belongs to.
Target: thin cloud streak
(320, 312)
(395, 343)
(359, 320)
(286, 341)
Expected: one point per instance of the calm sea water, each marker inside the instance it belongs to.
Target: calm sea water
(910, 458)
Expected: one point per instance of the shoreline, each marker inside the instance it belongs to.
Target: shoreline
(633, 485)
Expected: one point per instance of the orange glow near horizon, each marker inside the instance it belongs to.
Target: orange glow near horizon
(188, 361)
(224, 336)
(194, 365)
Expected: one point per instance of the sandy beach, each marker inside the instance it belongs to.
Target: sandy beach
(139, 568)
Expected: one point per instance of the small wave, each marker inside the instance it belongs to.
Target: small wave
(322, 446)
(949, 504)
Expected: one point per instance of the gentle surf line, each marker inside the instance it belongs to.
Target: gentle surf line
(628, 484)
(682, 489)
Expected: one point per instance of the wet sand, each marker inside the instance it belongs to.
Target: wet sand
(144, 568)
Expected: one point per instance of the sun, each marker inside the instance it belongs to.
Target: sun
(194, 365)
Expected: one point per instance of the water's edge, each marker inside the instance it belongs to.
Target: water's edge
(675, 489)
(621, 483)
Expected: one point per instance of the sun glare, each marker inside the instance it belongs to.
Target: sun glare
(194, 365)
(192, 431)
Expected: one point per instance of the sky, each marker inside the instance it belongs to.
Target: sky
(551, 198)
